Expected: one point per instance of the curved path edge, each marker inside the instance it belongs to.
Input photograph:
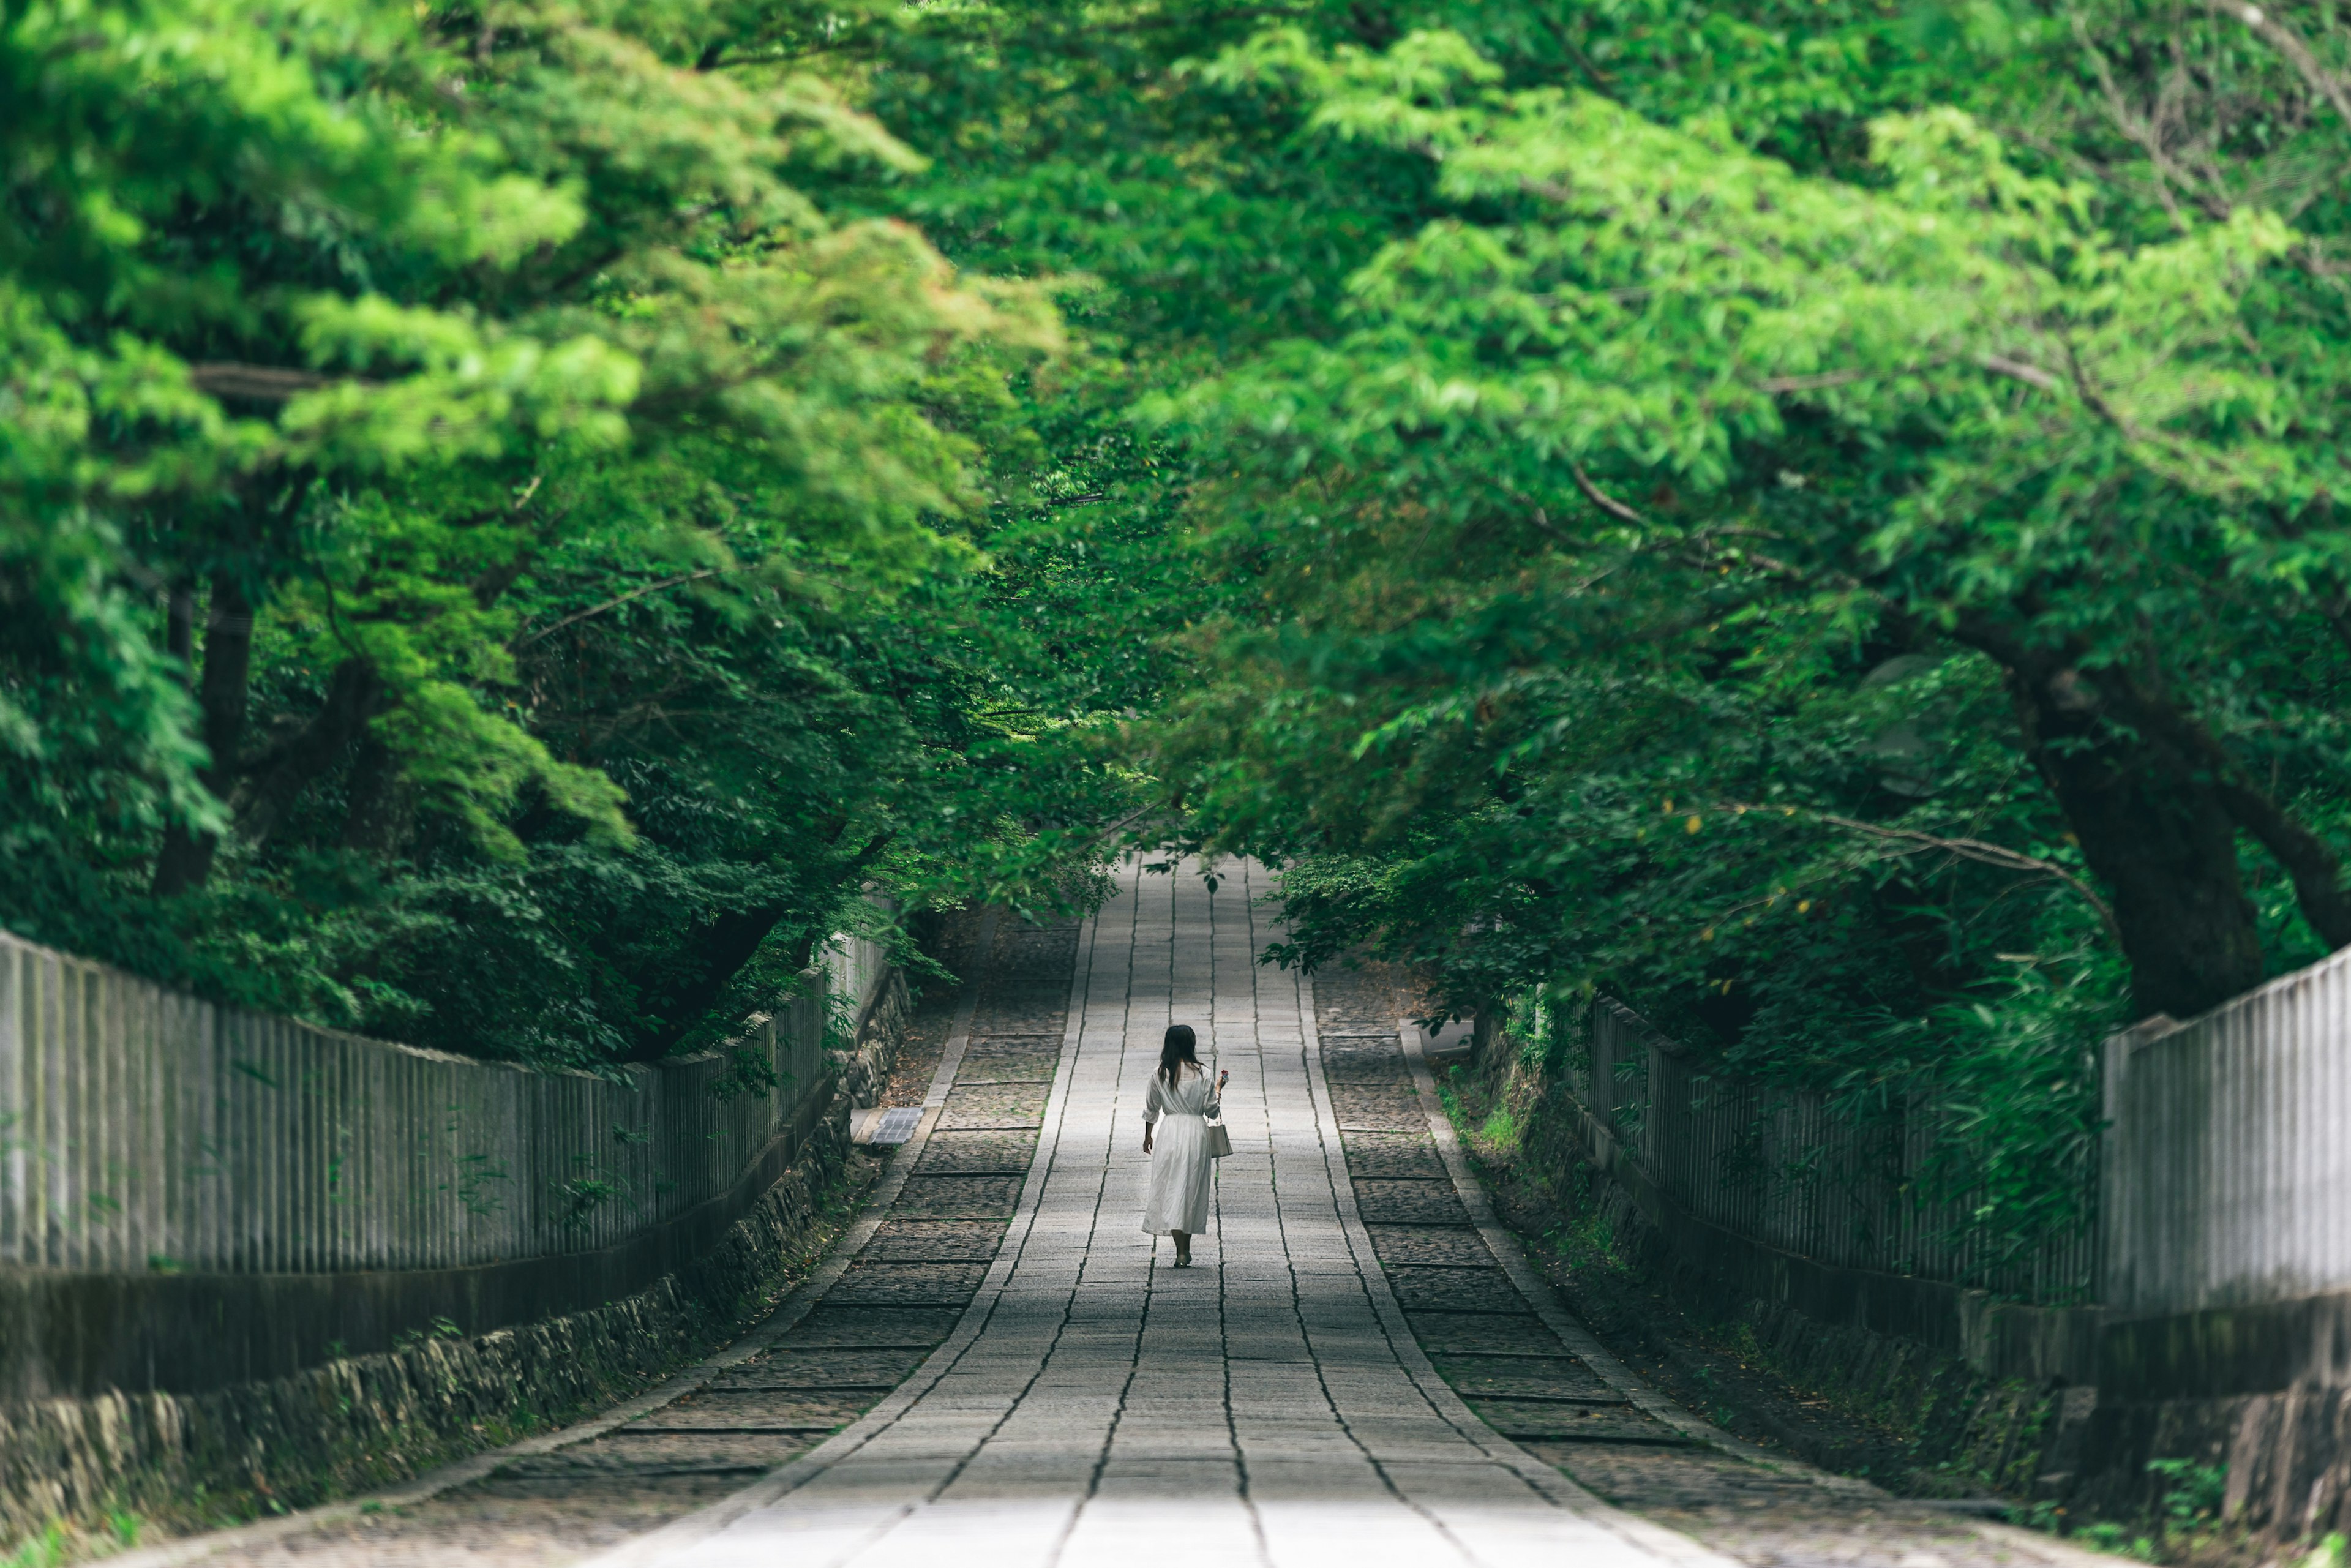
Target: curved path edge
(683, 1533)
(1540, 1293)
(872, 1206)
(999, 1429)
(1550, 1482)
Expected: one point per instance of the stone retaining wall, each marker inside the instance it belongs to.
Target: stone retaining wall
(1984, 1391)
(2058, 1406)
(2263, 1393)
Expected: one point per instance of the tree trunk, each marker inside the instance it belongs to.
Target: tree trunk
(222, 693)
(714, 955)
(179, 626)
(354, 695)
(2309, 859)
(2158, 835)
(2152, 820)
(375, 822)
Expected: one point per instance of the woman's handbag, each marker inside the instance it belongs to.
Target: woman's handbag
(1220, 1142)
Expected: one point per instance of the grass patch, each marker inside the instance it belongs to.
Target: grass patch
(59, 1544)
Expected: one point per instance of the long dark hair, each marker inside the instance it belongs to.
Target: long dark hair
(1180, 1046)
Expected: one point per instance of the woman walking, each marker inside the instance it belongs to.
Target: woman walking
(1177, 1109)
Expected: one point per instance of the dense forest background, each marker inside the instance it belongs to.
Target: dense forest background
(1816, 517)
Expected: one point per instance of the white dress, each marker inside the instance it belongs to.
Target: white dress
(1180, 1165)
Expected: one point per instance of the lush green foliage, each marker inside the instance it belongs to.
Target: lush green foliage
(485, 555)
(1825, 528)
(1816, 516)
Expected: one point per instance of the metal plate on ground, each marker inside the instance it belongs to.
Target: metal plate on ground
(939, 1240)
(960, 1197)
(1453, 1289)
(1410, 1203)
(951, 1152)
(887, 1284)
(1467, 1333)
(832, 1325)
(1428, 1244)
(994, 1105)
(1556, 1423)
(894, 1124)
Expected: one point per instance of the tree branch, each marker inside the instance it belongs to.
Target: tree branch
(1975, 850)
(525, 640)
(1998, 364)
(261, 383)
(2289, 44)
(1602, 500)
(222, 694)
(355, 695)
(2309, 859)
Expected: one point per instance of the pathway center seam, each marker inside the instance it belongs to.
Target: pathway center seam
(1341, 1190)
(1074, 1029)
(1150, 1273)
(1232, 1425)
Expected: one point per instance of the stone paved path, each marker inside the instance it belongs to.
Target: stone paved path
(997, 1366)
(1095, 1405)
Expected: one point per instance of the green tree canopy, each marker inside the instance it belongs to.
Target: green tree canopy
(1814, 515)
(1818, 517)
(459, 472)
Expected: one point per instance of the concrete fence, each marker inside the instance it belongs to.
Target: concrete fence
(142, 1130)
(1779, 1168)
(856, 970)
(2224, 1178)
(2228, 1151)
(2218, 1322)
